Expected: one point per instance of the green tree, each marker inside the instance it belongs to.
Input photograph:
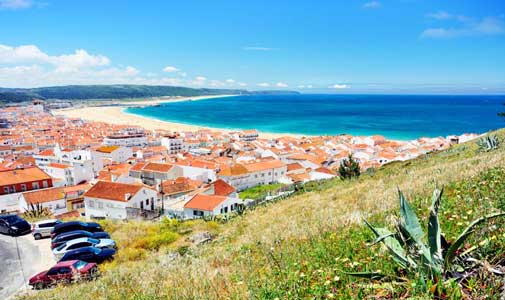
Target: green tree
(349, 168)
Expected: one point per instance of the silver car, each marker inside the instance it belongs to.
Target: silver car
(83, 242)
(44, 228)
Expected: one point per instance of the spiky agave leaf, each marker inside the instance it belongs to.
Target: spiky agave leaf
(394, 247)
(451, 252)
(434, 232)
(411, 227)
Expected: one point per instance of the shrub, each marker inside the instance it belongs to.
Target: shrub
(155, 241)
(349, 168)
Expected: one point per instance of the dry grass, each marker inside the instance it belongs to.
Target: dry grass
(230, 267)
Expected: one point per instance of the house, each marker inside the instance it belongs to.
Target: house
(202, 205)
(153, 173)
(53, 199)
(244, 176)
(173, 143)
(15, 181)
(248, 135)
(116, 153)
(128, 137)
(113, 200)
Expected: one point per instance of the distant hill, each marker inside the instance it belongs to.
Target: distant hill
(86, 92)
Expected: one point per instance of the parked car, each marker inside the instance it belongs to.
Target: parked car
(63, 272)
(72, 235)
(89, 254)
(83, 242)
(14, 225)
(75, 225)
(43, 229)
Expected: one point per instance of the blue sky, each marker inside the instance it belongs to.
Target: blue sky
(401, 46)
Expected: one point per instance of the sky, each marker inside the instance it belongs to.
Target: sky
(333, 46)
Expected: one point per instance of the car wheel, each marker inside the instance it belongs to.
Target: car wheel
(39, 286)
(37, 236)
(93, 273)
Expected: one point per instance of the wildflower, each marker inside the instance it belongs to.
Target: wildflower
(327, 282)
(459, 224)
(336, 278)
(302, 275)
(330, 296)
(483, 242)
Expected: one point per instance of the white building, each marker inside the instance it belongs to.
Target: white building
(53, 199)
(117, 154)
(244, 176)
(110, 200)
(202, 205)
(173, 144)
(129, 137)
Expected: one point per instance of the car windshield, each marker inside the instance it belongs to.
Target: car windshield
(93, 241)
(60, 247)
(80, 264)
(12, 219)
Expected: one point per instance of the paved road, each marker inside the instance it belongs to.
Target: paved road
(35, 257)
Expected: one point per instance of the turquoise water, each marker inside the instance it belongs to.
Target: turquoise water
(394, 116)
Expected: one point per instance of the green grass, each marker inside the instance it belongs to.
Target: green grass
(260, 192)
(301, 247)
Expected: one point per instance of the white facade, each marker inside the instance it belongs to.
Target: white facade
(145, 198)
(252, 179)
(174, 145)
(58, 206)
(228, 205)
(120, 155)
(202, 174)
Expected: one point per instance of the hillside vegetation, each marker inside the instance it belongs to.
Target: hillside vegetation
(85, 92)
(301, 247)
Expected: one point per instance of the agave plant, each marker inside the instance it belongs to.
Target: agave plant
(488, 143)
(435, 259)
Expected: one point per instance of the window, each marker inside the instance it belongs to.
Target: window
(6, 189)
(35, 185)
(147, 201)
(100, 205)
(23, 187)
(44, 184)
(13, 189)
(91, 203)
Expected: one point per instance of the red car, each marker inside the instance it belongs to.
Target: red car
(64, 272)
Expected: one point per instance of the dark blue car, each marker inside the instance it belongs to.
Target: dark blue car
(89, 254)
(72, 235)
(75, 225)
(14, 225)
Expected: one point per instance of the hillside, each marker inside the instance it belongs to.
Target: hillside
(84, 92)
(301, 247)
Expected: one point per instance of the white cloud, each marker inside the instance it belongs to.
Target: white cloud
(264, 84)
(468, 27)
(32, 54)
(281, 85)
(257, 48)
(309, 86)
(441, 15)
(15, 4)
(242, 84)
(230, 81)
(372, 4)
(200, 78)
(340, 86)
(170, 69)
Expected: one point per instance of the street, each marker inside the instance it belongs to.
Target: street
(35, 257)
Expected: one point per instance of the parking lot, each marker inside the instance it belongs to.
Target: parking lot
(17, 267)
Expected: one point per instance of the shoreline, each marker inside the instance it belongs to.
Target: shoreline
(115, 114)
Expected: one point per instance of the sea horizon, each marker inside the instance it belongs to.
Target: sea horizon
(399, 117)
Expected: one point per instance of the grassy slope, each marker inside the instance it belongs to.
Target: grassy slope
(298, 248)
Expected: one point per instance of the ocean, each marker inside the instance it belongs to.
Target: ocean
(401, 117)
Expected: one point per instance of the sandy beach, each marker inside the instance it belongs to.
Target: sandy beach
(116, 115)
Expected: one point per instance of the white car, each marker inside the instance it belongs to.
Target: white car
(83, 242)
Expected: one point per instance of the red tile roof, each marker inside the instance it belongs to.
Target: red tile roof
(17, 176)
(44, 195)
(205, 202)
(221, 188)
(112, 190)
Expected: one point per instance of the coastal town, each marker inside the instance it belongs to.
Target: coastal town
(73, 167)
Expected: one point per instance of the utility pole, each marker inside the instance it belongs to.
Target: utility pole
(162, 198)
